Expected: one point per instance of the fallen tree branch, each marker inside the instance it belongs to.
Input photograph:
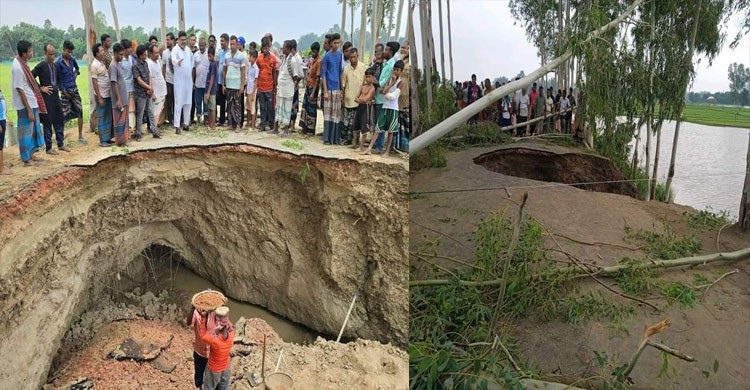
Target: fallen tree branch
(718, 236)
(591, 275)
(422, 255)
(717, 281)
(742, 254)
(508, 259)
(670, 351)
(647, 332)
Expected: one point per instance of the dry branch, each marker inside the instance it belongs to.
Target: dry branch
(742, 254)
(717, 281)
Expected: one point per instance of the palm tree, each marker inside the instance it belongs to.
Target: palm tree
(442, 46)
(450, 40)
(114, 18)
(689, 60)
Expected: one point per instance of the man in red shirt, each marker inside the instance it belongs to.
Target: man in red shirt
(220, 339)
(199, 321)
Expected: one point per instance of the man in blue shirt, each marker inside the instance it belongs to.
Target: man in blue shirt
(70, 99)
(221, 99)
(331, 77)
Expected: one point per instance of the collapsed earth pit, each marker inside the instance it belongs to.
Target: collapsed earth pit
(563, 167)
(286, 232)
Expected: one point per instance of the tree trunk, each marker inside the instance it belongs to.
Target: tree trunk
(351, 28)
(634, 163)
(567, 35)
(181, 14)
(650, 109)
(210, 18)
(431, 38)
(390, 22)
(397, 34)
(558, 72)
(450, 40)
(424, 140)
(424, 23)
(115, 20)
(689, 65)
(414, 66)
(744, 220)
(87, 6)
(363, 29)
(373, 33)
(343, 19)
(163, 24)
(442, 45)
(655, 173)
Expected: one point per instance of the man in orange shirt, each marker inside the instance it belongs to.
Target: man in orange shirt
(219, 339)
(267, 72)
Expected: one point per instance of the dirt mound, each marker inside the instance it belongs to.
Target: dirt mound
(323, 365)
(551, 166)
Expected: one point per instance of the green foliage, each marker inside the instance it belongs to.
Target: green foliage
(636, 279)
(304, 172)
(576, 310)
(292, 144)
(708, 219)
(443, 106)
(414, 195)
(444, 316)
(432, 157)
(664, 246)
(678, 292)
(481, 134)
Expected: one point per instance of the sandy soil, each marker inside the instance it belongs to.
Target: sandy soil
(717, 329)
(323, 365)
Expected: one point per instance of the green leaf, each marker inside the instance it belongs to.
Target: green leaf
(716, 366)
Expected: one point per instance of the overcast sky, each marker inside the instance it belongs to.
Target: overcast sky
(486, 42)
(286, 19)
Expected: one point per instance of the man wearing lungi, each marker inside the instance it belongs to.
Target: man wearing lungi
(70, 99)
(331, 76)
(48, 76)
(28, 102)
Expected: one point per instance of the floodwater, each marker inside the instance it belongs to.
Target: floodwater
(185, 283)
(710, 165)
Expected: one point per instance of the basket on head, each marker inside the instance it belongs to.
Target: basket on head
(208, 300)
(278, 381)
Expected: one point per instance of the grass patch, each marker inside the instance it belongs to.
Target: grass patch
(709, 219)
(432, 157)
(678, 292)
(664, 246)
(292, 144)
(414, 195)
(712, 115)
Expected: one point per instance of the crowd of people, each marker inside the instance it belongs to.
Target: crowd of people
(526, 104)
(188, 81)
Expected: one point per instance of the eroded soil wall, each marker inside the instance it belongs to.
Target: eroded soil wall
(286, 232)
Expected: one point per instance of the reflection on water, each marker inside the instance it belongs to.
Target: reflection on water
(186, 283)
(710, 166)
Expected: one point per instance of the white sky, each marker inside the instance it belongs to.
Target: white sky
(487, 42)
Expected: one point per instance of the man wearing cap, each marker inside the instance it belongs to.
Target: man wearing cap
(219, 340)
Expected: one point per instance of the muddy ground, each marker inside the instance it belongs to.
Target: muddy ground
(320, 365)
(718, 329)
(284, 228)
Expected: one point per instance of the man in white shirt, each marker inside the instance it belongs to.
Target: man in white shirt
(157, 81)
(564, 106)
(523, 112)
(549, 106)
(200, 70)
(290, 73)
(168, 72)
(182, 60)
(27, 100)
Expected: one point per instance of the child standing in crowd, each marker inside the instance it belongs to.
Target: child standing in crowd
(211, 87)
(363, 116)
(3, 116)
(252, 89)
(388, 122)
(351, 83)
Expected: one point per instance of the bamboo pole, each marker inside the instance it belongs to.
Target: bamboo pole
(457, 119)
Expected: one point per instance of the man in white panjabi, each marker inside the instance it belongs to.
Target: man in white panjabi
(182, 59)
(157, 80)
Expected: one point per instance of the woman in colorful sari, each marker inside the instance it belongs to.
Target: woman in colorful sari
(309, 116)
